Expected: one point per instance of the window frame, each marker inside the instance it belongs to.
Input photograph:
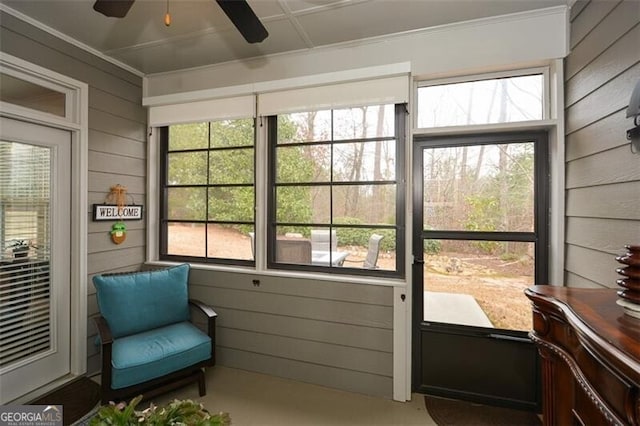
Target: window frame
(546, 104)
(163, 219)
(400, 113)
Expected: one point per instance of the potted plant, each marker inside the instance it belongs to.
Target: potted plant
(20, 248)
(177, 412)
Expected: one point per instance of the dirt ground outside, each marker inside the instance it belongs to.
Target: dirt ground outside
(497, 285)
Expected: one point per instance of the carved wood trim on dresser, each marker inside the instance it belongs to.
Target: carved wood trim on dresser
(590, 354)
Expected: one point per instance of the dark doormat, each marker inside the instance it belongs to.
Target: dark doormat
(77, 398)
(451, 412)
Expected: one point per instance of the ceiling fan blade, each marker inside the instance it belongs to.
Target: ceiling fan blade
(245, 20)
(113, 8)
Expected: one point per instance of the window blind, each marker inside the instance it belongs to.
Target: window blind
(25, 285)
(209, 110)
(387, 90)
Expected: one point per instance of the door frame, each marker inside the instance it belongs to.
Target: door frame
(76, 122)
(542, 168)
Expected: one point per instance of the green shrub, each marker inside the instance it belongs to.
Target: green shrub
(177, 412)
(360, 236)
(432, 246)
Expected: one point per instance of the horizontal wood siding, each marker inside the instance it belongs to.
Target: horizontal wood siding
(602, 175)
(117, 146)
(326, 333)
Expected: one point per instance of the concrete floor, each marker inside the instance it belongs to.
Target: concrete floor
(452, 308)
(258, 399)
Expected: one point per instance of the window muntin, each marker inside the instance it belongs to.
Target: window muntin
(336, 170)
(208, 197)
(484, 101)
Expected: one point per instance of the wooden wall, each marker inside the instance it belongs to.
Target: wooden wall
(117, 144)
(602, 175)
(325, 333)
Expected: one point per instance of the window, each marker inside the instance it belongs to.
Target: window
(31, 95)
(485, 101)
(208, 196)
(337, 190)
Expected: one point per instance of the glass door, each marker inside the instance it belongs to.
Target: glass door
(480, 218)
(34, 256)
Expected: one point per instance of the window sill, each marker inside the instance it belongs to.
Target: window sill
(346, 279)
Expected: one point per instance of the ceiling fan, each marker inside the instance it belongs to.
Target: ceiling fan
(238, 11)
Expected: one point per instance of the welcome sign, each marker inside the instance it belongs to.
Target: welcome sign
(110, 212)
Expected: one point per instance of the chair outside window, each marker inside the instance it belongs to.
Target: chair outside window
(293, 250)
(371, 261)
(321, 240)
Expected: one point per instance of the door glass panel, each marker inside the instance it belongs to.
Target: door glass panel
(29, 95)
(478, 283)
(479, 188)
(25, 238)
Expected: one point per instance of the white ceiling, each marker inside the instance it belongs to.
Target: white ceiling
(200, 33)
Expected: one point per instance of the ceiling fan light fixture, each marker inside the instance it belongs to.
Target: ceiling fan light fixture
(238, 11)
(113, 8)
(167, 16)
(244, 19)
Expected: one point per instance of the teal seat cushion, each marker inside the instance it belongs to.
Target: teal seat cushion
(142, 301)
(155, 353)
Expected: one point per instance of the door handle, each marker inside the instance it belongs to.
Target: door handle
(510, 338)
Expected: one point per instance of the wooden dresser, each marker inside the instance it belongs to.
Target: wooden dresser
(590, 356)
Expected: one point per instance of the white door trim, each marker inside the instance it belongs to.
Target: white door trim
(76, 121)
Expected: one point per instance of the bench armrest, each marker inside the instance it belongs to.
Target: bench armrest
(211, 323)
(103, 330)
(206, 309)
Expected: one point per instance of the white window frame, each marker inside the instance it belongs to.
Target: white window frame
(546, 104)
